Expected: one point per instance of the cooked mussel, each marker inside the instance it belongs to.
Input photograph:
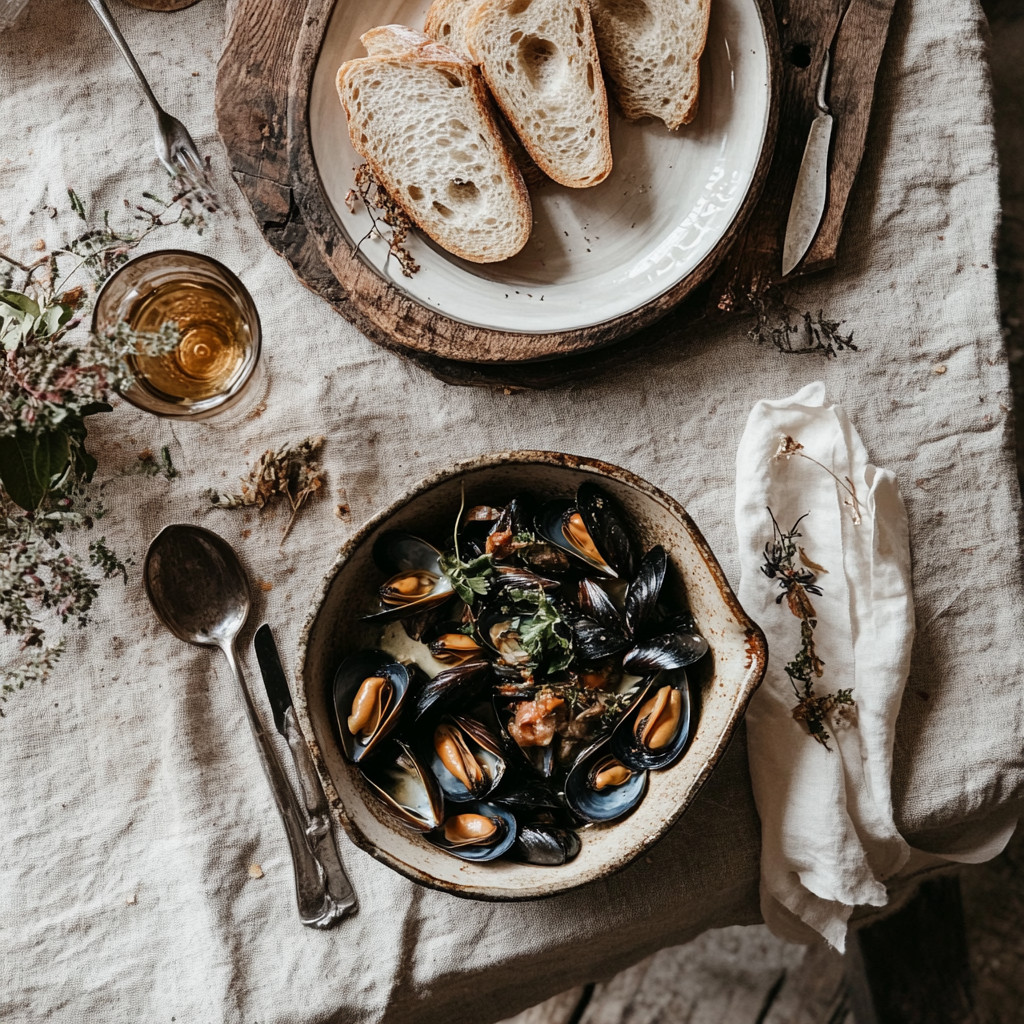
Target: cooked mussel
(479, 832)
(370, 691)
(545, 845)
(591, 529)
(415, 582)
(664, 653)
(466, 759)
(451, 646)
(407, 790)
(600, 788)
(657, 728)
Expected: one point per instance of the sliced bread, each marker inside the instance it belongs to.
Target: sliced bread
(650, 51)
(540, 60)
(446, 22)
(422, 120)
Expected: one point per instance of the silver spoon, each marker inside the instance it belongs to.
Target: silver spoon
(199, 591)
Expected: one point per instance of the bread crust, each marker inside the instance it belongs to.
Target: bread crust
(448, 61)
(481, 13)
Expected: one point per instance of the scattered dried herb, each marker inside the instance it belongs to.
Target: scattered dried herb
(372, 194)
(797, 581)
(292, 471)
(147, 464)
(809, 335)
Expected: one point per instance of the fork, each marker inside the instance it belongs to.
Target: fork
(174, 145)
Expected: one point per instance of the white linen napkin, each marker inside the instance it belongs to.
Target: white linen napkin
(842, 582)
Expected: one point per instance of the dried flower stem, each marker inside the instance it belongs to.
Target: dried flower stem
(789, 447)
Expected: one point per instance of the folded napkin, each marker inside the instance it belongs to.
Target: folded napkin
(825, 572)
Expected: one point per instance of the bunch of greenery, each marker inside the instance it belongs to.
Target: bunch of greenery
(54, 375)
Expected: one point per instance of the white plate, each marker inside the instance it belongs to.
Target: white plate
(594, 253)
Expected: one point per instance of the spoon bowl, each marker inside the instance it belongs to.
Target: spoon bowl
(197, 585)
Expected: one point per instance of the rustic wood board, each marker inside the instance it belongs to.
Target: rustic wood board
(261, 104)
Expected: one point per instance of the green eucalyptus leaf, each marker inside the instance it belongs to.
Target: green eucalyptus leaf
(29, 463)
(20, 301)
(52, 319)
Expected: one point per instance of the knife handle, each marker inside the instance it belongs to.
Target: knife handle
(319, 831)
(318, 906)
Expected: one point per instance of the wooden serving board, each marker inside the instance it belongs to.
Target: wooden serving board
(262, 97)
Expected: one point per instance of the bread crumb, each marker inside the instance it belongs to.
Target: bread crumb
(266, 585)
(940, 369)
(132, 900)
(246, 534)
(39, 244)
(255, 871)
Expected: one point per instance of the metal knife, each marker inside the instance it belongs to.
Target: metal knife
(339, 896)
(812, 182)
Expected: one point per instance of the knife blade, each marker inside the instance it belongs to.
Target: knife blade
(811, 190)
(339, 898)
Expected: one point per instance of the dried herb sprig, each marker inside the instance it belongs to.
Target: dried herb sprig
(52, 378)
(372, 194)
(781, 555)
(292, 472)
(788, 447)
(815, 334)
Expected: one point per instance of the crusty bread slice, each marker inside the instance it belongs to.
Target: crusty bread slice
(540, 60)
(446, 22)
(650, 51)
(422, 120)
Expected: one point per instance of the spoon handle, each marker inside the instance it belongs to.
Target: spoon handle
(318, 908)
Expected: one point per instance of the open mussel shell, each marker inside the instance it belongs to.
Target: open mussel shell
(592, 641)
(455, 687)
(658, 727)
(415, 582)
(644, 590)
(512, 577)
(408, 791)
(607, 530)
(665, 653)
(594, 602)
(473, 841)
(370, 691)
(449, 643)
(550, 526)
(600, 787)
(466, 758)
(545, 845)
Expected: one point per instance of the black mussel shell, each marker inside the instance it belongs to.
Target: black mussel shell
(594, 602)
(644, 590)
(549, 527)
(499, 844)
(610, 803)
(607, 529)
(627, 746)
(473, 538)
(527, 793)
(592, 641)
(397, 553)
(485, 748)
(454, 687)
(512, 577)
(351, 674)
(545, 845)
(494, 627)
(665, 653)
(406, 789)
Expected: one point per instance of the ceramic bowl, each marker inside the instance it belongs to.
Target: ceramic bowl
(727, 677)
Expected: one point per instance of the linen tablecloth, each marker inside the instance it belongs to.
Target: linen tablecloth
(132, 802)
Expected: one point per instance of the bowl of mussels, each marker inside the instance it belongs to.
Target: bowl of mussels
(516, 679)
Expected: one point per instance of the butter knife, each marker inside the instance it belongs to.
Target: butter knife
(339, 899)
(812, 182)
